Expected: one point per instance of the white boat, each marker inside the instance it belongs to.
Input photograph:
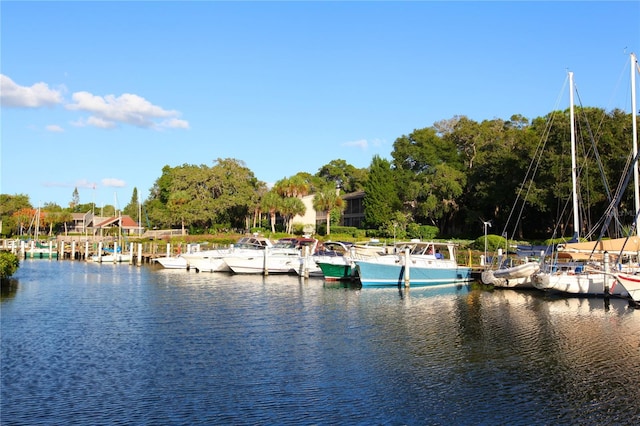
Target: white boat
(172, 262)
(589, 272)
(588, 282)
(285, 257)
(213, 260)
(112, 258)
(518, 276)
(631, 284)
(416, 263)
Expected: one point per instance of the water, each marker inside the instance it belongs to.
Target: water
(84, 343)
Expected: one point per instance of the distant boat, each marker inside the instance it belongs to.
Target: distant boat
(415, 263)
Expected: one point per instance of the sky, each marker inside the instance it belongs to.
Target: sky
(100, 96)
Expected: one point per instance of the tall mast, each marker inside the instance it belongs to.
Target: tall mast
(636, 179)
(574, 175)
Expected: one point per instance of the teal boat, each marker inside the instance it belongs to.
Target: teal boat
(414, 263)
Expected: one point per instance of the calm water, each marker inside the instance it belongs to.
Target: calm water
(84, 343)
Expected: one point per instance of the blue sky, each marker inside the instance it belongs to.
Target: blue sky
(100, 96)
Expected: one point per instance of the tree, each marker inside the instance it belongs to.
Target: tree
(75, 198)
(328, 200)
(289, 208)
(350, 178)
(9, 204)
(272, 202)
(132, 209)
(381, 195)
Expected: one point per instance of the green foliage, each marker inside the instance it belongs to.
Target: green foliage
(494, 242)
(9, 264)
(445, 176)
(423, 232)
(381, 197)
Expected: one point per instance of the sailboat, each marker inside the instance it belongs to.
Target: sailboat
(588, 273)
(630, 280)
(36, 249)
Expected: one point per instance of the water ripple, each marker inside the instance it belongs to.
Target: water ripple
(117, 344)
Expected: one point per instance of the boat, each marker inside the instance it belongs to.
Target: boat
(631, 284)
(213, 260)
(38, 250)
(109, 255)
(172, 262)
(417, 263)
(518, 276)
(373, 247)
(334, 259)
(586, 269)
(285, 257)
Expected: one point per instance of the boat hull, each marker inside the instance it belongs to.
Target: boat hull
(378, 274)
(581, 283)
(631, 284)
(256, 264)
(520, 276)
(172, 262)
(336, 271)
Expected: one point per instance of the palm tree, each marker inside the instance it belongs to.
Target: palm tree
(291, 206)
(326, 200)
(271, 202)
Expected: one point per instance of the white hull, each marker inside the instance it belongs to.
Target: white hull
(581, 283)
(274, 264)
(520, 276)
(631, 284)
(209, 264)
(177, 262)
(112, 258)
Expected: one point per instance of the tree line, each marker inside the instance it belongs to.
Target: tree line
(455, 176)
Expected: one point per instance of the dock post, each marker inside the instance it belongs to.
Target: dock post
(139, 254)
(86, 250)
(168, 249)
(606, 275)
(130, 253)
(100, 252)
(265, 269)
(407, 268)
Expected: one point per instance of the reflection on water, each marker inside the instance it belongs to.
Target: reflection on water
(88, 343)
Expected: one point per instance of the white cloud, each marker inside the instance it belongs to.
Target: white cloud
(127, 108)
(113, 182)
(38, 95)
(54, 128)
(360, 143)
(175, 123)
(83, 183)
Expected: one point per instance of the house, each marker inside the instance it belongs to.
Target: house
(353, 214)
(124, 223)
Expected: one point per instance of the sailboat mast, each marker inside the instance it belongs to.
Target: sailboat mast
(574, 176)
(636, 179)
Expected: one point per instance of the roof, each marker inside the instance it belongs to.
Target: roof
(124, 221)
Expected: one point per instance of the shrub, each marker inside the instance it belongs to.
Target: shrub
(494, 242)
(9, 264)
